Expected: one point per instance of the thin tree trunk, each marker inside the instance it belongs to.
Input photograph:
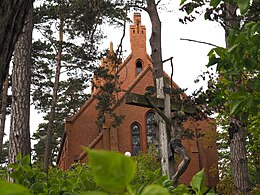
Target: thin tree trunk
(238, 156)
(12, 17)
(237, 128)
(3, 114)
(19, 139)
(155, 42)
(48, 148)
(155, 39)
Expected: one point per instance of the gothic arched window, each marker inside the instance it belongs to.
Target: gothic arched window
(152, 129)
(139, 67)
(135, 139)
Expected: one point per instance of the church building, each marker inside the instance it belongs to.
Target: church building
(138, 129)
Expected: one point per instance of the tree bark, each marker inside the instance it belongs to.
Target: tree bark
(3, 114)
(47, 153)
(12, 17)
(238, 156)
(156, 55)
(19, 139)
(237, 128)
(155, 40)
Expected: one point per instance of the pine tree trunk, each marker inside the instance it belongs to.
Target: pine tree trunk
(48, 148)
(3, 114)
(19, 140)
(238, 156)
(237, 130)
(12, 17)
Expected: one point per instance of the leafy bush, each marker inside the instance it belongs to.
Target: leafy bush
(108, 173)
(148, 168)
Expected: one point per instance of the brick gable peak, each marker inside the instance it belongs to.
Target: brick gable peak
(138, 35)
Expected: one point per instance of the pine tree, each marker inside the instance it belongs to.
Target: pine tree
(12, 16)
(81, 29)
(19, 140)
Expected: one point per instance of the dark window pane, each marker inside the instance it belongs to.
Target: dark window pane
(135, 139)
(139, 67)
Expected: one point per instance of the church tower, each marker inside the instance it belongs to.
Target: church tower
(138, 36)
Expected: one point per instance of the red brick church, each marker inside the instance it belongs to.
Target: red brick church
(137, 130)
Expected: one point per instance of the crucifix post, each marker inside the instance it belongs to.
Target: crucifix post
(163, 134)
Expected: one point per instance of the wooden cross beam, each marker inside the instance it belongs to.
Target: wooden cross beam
(139, 100)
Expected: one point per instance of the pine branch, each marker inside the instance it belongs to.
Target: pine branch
(203, 42)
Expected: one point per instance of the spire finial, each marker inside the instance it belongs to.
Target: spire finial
(111, 47)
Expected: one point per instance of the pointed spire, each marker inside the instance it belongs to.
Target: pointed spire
(111, 50)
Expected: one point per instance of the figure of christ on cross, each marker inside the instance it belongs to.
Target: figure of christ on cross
(173, 126)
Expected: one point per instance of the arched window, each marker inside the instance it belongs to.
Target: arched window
(139, 67)
(135, 139)
(152, 130)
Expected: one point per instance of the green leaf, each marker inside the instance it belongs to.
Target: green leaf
(232, 48)
(26, 160)
(54, 180)
(154, 189)
(41, 175)
(220, 51)
(234, 106)
(182, 2)
(14, 166)
(243, 5)
(211, 192)
(167, 183)
(214, 3)
(30, 174)
(112, 170)
(67, 193)
(26, 168)
(212, 61)
(19, 156)
(257, 85)
(17, 174)
(93, 193)
(181, 189)
(13, 189)
(198, 182)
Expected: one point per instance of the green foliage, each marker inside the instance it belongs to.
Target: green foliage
(154, 189)
(82, 21)
(109, 172)
(73, 181)
(197, 186)
(108, 98)
(198, 182)
(4, 153)
(12, 188)
(3, 173)
(242, 4)
(239, 67)
(112, 175)
(234, 92)
(225, 185)
(228, 13)
(148, 169)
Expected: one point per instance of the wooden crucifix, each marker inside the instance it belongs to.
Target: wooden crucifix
(173, 129)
